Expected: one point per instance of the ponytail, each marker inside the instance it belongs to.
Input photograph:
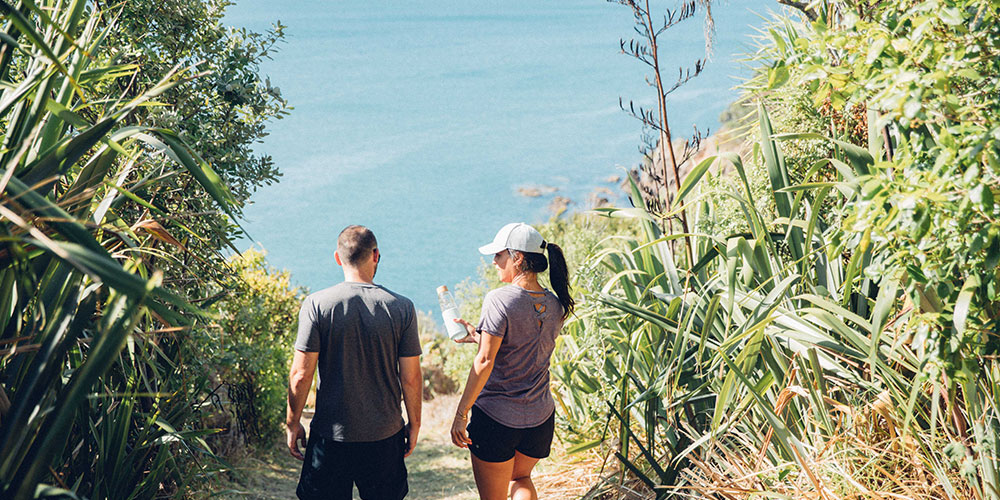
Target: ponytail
(559, 278)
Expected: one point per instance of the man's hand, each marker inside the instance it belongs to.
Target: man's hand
(412, 382)
(411, 438)
(296, 434)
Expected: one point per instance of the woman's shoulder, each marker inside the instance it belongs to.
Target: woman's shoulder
(502, 294)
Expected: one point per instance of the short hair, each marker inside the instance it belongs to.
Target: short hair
(355, 243)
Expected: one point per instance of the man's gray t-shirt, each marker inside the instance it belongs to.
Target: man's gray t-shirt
(360, 331)
(517, 392)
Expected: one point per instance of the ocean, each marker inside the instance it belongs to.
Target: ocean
(423, 119)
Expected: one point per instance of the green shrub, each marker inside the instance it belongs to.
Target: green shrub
(248, 350)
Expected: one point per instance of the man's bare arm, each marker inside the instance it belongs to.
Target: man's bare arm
(412, 382)
(299, 381)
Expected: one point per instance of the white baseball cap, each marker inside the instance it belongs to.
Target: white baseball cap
(515, 236)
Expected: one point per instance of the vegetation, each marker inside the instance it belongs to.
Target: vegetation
(111, 230)
(842, 342)
(814, 318)
(247, 351)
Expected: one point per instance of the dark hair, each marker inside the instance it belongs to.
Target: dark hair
(355, 244)
(558, 276)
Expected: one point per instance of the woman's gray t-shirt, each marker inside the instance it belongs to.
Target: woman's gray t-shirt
(517, 392)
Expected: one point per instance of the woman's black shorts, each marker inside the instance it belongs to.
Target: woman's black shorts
(495, 442)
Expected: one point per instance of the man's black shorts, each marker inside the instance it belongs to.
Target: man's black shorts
(495, 442)
(332, 468)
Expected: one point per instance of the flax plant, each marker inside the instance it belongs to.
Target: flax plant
(760, 375)
(89, 334)
(844, 345)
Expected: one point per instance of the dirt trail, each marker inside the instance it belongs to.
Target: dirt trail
(437, 469)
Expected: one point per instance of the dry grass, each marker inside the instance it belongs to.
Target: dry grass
(563, 476)
(867, 459)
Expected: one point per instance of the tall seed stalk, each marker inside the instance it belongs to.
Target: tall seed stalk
(647, 51)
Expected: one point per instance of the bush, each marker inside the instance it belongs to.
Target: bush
(248, 351)
(852, 333)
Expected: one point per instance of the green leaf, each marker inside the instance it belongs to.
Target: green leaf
(584, 446)
(775, 164)
(964, 302)
(951, 16)
(692, 177)
(777, 76)
(982, 195)
(58, 159)
(875, 50)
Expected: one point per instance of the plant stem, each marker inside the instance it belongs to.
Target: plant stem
(665, 139)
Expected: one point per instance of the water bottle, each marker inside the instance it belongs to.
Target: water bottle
(449, 311)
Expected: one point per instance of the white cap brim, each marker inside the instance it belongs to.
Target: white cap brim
(491, 248)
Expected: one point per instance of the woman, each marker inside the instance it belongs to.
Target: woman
(512, 412)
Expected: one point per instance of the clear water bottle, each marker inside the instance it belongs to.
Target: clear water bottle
(449, 311)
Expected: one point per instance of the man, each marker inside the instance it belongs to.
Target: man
(364, 339)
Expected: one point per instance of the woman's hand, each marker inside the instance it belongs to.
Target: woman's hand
(458, 434)
(472, 337)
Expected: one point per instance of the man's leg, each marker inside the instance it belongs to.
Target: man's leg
(379, 469)
(521, 487)
(324, 472)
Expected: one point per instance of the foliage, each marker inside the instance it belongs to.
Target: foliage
(247, 350)
(690, 367)
(97, 203)
(724, 213)
(930, 75)
(859, 319)
(222, 116)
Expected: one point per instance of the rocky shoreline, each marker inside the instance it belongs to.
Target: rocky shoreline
(647, 175)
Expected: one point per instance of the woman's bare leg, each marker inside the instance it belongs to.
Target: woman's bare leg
(521, 487)
(492, 478)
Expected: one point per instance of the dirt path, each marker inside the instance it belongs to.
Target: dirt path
(437, 469)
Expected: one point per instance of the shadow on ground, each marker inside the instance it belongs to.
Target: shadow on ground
(440, 471)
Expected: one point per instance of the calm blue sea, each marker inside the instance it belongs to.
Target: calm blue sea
(421, 119)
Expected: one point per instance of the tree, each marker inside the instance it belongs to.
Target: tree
(222, 116)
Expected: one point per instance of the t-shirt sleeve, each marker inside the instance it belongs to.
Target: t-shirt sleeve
(307, 339)
(409, 342)
(493, 319)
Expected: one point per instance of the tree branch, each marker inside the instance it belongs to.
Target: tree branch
(802, 7)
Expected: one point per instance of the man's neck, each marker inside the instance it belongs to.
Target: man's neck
(357, 277)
